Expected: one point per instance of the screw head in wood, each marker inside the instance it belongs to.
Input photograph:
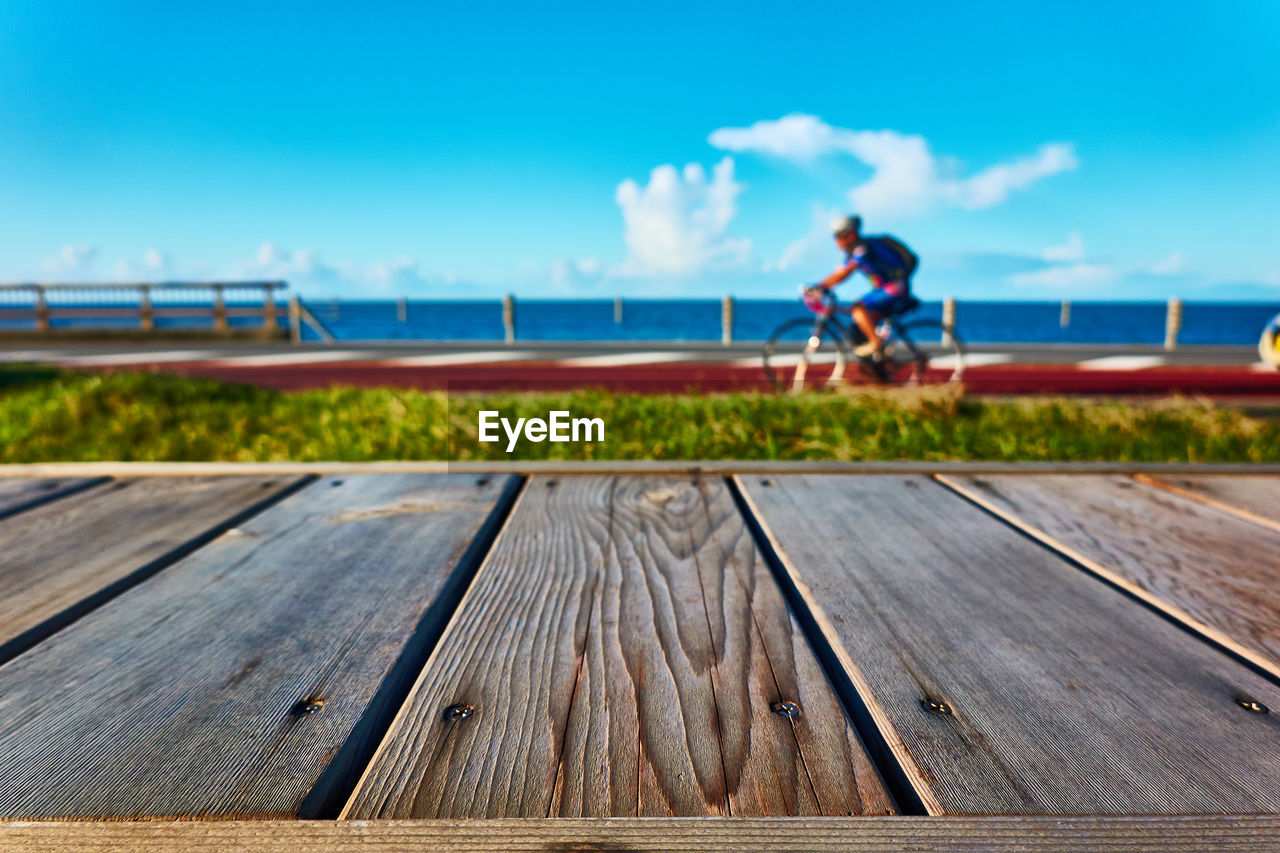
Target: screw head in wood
(458, 712)
(1251, 704)
(785, 709)
(936, 706)
(310, 705)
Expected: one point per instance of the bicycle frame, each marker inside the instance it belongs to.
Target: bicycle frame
(827, 309)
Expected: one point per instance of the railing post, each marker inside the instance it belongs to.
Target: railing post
(295, 319)
(42, 310)
(948, 320)
(269, 309)
(1172, 323)
(402, 310)
(1064, 316)
(617, 309)
(726, 320)
(146, 315)
(509, 319)
(219, 309)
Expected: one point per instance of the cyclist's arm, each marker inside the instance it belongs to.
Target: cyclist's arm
(839, 275)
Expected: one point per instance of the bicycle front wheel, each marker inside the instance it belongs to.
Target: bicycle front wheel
(805, 354)
(925, 353)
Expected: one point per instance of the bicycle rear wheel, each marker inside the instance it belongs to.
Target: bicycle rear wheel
(805, 354)
(924, 352)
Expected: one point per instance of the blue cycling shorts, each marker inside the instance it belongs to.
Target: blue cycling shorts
(885, 301)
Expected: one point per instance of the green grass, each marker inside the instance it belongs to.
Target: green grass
(47, 415)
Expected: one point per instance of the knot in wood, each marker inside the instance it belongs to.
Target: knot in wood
(936, 706)
(310, 705)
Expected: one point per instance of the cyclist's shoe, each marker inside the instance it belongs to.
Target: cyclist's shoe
(868, 350)
(880, 368)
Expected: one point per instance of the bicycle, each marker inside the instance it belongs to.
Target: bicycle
(814, 352)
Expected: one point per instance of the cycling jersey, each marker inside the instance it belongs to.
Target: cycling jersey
(879, 263)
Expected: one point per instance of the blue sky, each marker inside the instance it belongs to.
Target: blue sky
(1082, 150)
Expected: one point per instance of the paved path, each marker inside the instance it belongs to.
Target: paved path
(999, 368)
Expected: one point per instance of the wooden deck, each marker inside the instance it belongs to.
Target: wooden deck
(708, 656)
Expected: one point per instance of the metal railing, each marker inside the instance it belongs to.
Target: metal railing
(110, 306)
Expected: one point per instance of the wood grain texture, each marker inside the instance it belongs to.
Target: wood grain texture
(1254, 498)
(19, 494)
(1205, 567)
(621, 648)
(62, 559)
(230, 682)
(713, 835)
(1058, 694)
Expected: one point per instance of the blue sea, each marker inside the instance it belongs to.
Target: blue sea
(699, 320)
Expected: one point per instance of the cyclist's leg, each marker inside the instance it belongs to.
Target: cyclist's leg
(868, 311)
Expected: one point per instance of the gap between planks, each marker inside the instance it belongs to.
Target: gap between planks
(1209, 501)
(1260, 663)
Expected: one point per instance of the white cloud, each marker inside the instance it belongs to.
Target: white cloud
(1072, 250)
(1171, 265)
(309, 274)
(72, 257)
(155, 259)
(992, 186)
(676, 225)
(794, 137)
(906, 178)
(1066, 275)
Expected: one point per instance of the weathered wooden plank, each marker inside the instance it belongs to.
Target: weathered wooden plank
(61, 560)
(1208, 569)
(20, 494)
(622, 651)
(1254, 498)
(776, 835)
(1004, 679)
(249, 677)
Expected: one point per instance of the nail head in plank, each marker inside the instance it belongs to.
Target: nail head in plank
(1206, 568)
(59, 560)
(622, 647)
(1209, 834)
(1066, 696)
(226, 684)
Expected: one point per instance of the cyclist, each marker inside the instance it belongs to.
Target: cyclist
(888, 263)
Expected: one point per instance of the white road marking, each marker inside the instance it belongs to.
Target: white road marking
(623, 359)
(448, 358)
(789, 360)
(141, 357)
(31, 355)
(1263, 367)
(973, 359)
(295, 358)
(1122, 362)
